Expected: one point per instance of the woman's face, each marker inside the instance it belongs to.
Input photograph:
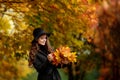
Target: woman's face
(42, 40)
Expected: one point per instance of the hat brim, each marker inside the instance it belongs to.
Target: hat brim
(48, 34)
(44, 33)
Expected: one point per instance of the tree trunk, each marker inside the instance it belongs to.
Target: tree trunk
(70, 73)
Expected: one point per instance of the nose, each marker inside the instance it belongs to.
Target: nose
(44, 39)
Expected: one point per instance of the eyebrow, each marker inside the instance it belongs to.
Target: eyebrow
(43, 37)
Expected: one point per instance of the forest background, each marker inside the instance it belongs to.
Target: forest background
(88, 27)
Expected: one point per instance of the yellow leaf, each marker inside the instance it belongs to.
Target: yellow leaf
(62, 10)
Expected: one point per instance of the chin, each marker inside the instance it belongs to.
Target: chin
(43, 44)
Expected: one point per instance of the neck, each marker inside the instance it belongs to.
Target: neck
(43, 48)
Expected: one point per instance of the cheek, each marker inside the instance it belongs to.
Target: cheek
(41, 41)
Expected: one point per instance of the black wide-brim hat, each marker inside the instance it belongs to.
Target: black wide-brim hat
(39, 32)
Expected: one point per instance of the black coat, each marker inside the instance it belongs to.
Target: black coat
(46, 71)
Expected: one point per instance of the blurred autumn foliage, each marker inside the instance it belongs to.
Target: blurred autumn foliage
(88, 27)
(107, 39)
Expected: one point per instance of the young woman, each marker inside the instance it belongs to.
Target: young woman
(40, 57)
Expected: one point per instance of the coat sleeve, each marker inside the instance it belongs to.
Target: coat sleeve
(40, 62)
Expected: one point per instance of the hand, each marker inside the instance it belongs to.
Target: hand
(50, 57)
(65, 62)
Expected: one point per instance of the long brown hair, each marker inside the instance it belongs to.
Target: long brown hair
(35, 48)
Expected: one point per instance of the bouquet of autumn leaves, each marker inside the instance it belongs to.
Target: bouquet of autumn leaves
(63, 55)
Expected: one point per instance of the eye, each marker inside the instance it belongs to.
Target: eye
(43, 38)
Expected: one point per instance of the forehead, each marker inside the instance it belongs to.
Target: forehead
(44, 35)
